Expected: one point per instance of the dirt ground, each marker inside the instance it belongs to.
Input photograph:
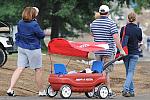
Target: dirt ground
(26, 84)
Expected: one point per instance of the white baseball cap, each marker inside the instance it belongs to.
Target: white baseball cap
(103, 9)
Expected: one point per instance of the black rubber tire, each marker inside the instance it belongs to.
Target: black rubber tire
(3, 57)
(48, 92)
(89, 94)
(62, 90)
(104, 92)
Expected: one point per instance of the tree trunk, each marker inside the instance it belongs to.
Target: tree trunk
(100, 2)
(55, 27)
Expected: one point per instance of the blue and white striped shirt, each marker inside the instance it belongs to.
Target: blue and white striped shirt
(103, 30)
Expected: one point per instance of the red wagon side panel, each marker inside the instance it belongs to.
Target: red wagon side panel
(80, 82)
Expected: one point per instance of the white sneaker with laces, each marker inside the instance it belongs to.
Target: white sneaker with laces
(43, 93)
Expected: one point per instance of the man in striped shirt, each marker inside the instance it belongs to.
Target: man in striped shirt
(105, 30)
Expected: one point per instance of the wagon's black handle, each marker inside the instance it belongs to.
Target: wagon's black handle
(111, 62)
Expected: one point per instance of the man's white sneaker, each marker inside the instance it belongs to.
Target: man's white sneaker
(43, 93)
(10, 93)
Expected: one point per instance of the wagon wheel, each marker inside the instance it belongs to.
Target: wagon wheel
(90, 94)
(3, 57)
(103, 92)
(65, 91)
(93, 93)
(50, 92)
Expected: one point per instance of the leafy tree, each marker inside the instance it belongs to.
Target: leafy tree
(63, 16)
(9, 11)
(139, 4)
(71, 14)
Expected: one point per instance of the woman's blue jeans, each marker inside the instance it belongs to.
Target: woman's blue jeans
(130, 64)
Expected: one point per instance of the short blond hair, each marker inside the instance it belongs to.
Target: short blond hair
(131, 17)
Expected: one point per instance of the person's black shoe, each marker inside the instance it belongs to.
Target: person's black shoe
(126, 94)
(11, 93)
(132, 95)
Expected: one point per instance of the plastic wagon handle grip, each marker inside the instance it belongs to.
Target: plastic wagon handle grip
(112, 61)
(120, 57)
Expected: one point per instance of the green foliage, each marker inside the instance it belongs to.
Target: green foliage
(137, 10)
(75, 13)
(66, 8)
(9, 11)
(143, 3)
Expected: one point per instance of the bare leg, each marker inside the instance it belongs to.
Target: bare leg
(38, 78)
(105, 59)
(15, 77)
(108, 79)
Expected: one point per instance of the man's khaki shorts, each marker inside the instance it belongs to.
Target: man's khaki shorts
(106, 59)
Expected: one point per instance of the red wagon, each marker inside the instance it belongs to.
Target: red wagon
(92, 84)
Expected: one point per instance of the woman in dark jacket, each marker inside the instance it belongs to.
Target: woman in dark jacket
(133, 35)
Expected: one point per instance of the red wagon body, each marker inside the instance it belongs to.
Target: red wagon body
(90, 83)
(79, 82)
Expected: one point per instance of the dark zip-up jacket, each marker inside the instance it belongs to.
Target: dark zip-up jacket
(134, 35)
